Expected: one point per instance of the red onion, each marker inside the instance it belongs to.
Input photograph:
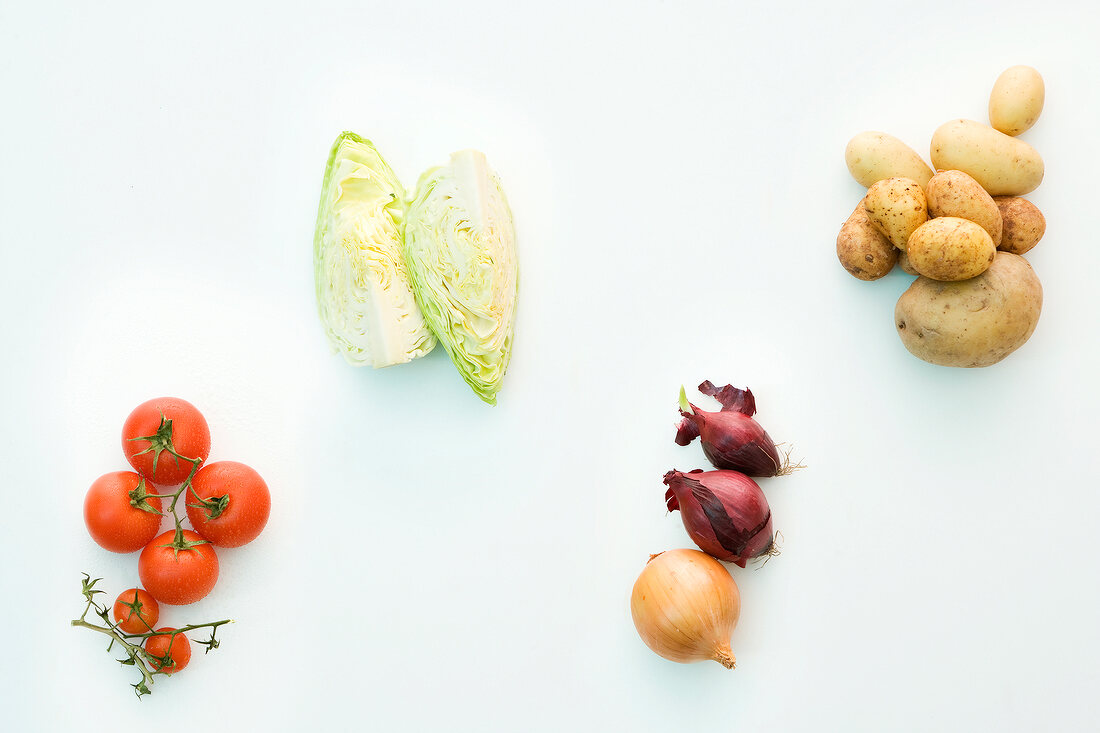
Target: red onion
(730, 438)
(724, 512)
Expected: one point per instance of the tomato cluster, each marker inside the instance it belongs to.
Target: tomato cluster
(167, 441)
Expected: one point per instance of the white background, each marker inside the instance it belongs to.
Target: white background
(676, 174)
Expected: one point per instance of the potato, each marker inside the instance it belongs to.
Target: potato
(903, 263)
(1016, 100)
(950, 248)
(896, 207)
(873, 156)
(953, 193)
(975, 322)
(1024, 224)
(862, 249)
(1002, 165)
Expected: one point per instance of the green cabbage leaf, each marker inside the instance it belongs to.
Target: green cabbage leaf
(364, 295)
(460, 248)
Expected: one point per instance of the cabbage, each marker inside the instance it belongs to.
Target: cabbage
(363, 293)
(460, 248)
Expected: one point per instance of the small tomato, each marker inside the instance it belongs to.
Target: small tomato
(135, 611)
(172, 652)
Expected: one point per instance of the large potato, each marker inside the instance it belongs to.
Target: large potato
(971, 323)
(862, 249)
(950, 248)
(954, 193)
(896, 207)
(873, 156)
(1024, 224)
(1002, 165)
(1016, 100)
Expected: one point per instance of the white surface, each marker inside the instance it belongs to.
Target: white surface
(676, 172)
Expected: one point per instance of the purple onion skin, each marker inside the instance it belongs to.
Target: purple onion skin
(731, 438)
(724, 512)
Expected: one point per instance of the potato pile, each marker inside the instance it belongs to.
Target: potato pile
(961, 228)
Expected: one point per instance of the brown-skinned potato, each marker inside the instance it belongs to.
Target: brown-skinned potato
(863, 250)
(1023, 224)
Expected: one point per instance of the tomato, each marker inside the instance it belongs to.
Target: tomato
(230, 503)
(177, 648)
(135, 611)
(161, 435)
(178, 575)
(118, 514)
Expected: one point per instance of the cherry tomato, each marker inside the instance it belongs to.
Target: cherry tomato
(136, 611)
(230, 503)
(177, 648)
(117, 513)
(178, 575)
(160, 435)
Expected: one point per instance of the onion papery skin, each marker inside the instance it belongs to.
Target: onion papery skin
(685, 606)
(724, 512)
(731, 438)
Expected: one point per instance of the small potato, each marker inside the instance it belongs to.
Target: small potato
(1002, 165)
(954, 193)
(975, 322)
(862, 249)
(1016, 100)
(904, 264)
(873, 156)
(896, 207)
(949, 248)
(1024, 224)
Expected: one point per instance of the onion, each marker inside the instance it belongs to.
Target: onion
(725, 513)
(685, 606)
(731, 438)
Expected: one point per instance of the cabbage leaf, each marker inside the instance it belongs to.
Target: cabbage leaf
(460, 248)
(364, 296)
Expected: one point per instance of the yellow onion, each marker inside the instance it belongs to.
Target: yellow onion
(685, 605)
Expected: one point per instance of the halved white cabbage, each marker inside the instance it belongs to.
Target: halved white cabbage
(364, 296)
(460, 247)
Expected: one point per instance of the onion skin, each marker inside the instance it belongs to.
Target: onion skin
(724, 512)
(685, 606)
(731, 438)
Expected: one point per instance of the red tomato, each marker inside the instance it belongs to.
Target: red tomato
(178, 576)
(136, 611)
(177, 648)
(230, 503)
(117, 515)
(160, 435)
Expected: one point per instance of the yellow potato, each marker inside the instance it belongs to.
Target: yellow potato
(862, 249)
(896, 207)
(954, 193)
(1016, 100)
(873, 156)
(950, 248)
(1002, 165)
(1024, 224)
(975, 322)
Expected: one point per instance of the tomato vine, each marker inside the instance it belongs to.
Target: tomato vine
(135, 655)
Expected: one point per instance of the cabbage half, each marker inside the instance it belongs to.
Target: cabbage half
(460, 248)
(363, 293)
